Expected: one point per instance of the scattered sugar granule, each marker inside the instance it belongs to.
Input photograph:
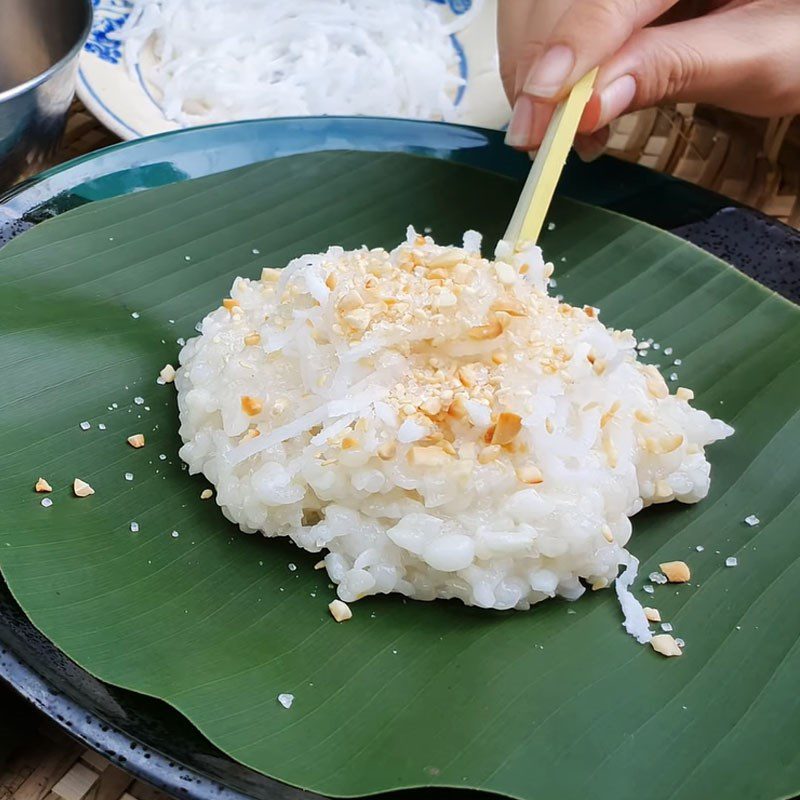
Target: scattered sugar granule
(138, 400)
(47, 502)
(42, 486)
(664, 644)
(256, 251)
(171, 321)
(206, 494)
(114, 405)
(680, 643)
(134, 527)
(137, 440)
(81, 488)
(563, 258)
(643, 346)
(167, 373)
(676, 571)
(656, 346)
(128, 476)
(699, 548)
(752, 520)
(135, 315)
(162, 456)
(677, 362)
(85, 425)
(648, 588)
(666, 627)
(292, 567)
(174, 534)
(181, 341)
(652, 614)
(286, 700)
(731, 561)
(187, 258)
(340, 611)
(319, 565)
(673, 376)
(551, 226)
(667, 351)
(102, 426)
(657, 577)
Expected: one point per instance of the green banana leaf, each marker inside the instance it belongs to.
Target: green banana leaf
(554, 703)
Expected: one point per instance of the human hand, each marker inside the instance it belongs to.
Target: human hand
(743, 55)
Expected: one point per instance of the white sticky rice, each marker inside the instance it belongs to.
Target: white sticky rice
(437, 425)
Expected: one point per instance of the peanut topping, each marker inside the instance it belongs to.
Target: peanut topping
(655, 383)
(252, 339)
(387, 450)
(340, 611)
(684, 394)
(457, 409)
(652, 614)
(676, 571)
(508, 425)
(509, 305)
(137, 440)
(167, 373)
(331, 280)
(43, 486)
(664, 644)
(491, 330)
(432, 456)
(529, 473)
(251, 406)
(489, 454)
(230, 304)
(81, 488)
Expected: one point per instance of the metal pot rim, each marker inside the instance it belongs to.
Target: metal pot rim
(42, 77)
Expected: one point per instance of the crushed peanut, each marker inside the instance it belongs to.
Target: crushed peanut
(42, 486)
(230, 304)
(506, 428)
(340, 611)
(684, 394)
(319, 565)
(251, 406)
(137, 440)
(432, 456)
(167, 373)
(608, 534)
(666, 645)
(529, 473)
(489, 331)
(676, 571)
(81, 488)
(252, 339)
(652, 614)
(206, 494)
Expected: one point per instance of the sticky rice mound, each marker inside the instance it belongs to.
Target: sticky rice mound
(436, 424)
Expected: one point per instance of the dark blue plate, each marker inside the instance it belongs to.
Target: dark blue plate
(146, 736)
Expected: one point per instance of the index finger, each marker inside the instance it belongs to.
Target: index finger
(588, 33)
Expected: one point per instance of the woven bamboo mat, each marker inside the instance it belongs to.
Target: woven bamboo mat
(38, 761)
(756, 162)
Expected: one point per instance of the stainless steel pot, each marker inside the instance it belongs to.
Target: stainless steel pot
(40, 41)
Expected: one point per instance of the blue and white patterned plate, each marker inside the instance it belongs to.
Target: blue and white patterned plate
(125, 104)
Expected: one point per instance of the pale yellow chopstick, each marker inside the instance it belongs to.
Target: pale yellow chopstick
(537, 194)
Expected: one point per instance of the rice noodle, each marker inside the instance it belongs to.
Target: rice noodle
(217, 61)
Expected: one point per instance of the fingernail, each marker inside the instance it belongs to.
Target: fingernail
(549, 74)
(589, 148)
(616, 97)
(591, 115)
(519, 129)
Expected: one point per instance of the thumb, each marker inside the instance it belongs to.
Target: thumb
(743, 59)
